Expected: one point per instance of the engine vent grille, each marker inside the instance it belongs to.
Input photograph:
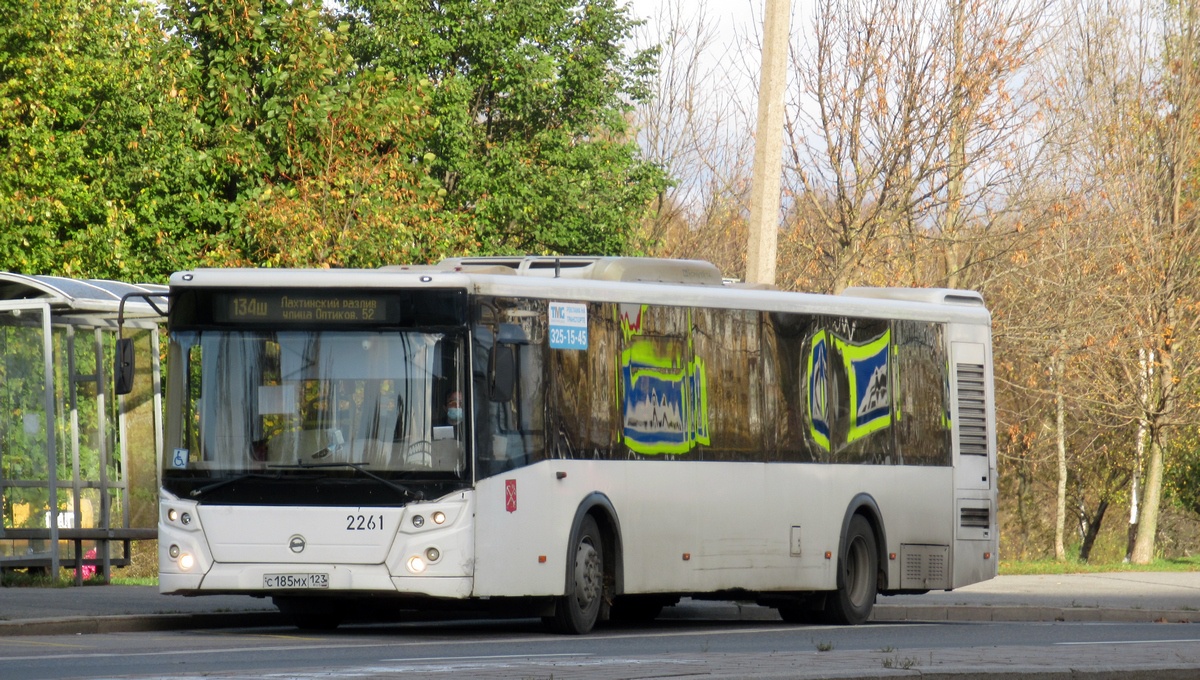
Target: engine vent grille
(976, 518)
(924, 567)
(972, 411)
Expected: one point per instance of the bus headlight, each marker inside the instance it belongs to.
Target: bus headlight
(439, 517)
(174, 516)
(416, 565)
(173, 551)
(186, 562)
(433, 555)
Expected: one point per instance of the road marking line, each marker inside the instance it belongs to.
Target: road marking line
(16, 641)
(1122, 642)
(532, 639)
(496, 657)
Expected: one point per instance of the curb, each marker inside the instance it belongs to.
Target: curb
(133, 623)
(1015, 614)
(138, 623)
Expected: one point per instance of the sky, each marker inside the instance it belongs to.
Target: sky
(730, 25)
(727, 17)
(734, 26)
(730, 13)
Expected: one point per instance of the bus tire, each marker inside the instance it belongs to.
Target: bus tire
(576, 612)
(857, 576)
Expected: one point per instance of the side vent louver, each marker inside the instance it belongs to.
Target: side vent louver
(976, 518)
(972, 411)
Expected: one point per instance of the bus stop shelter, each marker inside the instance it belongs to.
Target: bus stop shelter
(78, 465)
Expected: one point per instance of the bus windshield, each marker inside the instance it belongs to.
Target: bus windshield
(256, 401)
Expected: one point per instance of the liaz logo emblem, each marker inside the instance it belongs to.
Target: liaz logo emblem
(296, 544)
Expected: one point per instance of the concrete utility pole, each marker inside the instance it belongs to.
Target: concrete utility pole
(768, 145)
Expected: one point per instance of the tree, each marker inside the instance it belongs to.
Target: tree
(84, 117)
(905, 125)
(1139, 108)
(696, 127)
(363, 202)
(1168, 275)
(531, 99)
(305, 158)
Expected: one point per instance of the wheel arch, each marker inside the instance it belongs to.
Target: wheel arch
(601, 509)
(864, 504)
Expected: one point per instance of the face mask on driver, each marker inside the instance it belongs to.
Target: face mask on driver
(454, 415)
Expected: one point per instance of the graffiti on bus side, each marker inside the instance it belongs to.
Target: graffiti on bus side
(817, 389)
(630, 318)
(866, 367)
(664, 401)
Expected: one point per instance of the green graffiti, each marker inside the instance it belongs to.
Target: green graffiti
(664, 401)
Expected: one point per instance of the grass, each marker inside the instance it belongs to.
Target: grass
(21, 579)
(907, 663)
(39, 579)
(1072, 566)
(135, 581)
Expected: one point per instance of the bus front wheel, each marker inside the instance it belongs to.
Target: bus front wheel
(857, 577)
(576, 612)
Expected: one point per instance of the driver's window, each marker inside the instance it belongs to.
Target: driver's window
(448, 428)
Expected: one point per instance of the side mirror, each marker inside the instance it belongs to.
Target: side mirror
(502, 373)
(123, 366)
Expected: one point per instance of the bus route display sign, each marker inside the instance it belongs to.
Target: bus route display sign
(293, 308)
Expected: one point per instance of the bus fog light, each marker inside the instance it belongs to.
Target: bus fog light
(433, 555)
(173, 551)
(416, 565)
(186, 562)
(439, 517)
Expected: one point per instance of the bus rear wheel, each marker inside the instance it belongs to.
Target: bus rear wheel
(576, 612)
(857, 577)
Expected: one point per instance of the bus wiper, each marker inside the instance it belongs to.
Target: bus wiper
(361, 467)
(196, 493)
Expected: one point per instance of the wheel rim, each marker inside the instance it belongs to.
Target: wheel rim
(856, 576)
(588, 574)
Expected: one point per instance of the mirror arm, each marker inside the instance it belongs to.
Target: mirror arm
(148, 297)
(123, 361)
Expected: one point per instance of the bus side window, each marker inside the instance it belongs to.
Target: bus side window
(924, 423)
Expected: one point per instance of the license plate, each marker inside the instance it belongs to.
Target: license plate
(295, 580)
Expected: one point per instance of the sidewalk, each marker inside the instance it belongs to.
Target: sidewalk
(1114, 597)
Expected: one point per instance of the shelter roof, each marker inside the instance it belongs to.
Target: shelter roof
(91, 296)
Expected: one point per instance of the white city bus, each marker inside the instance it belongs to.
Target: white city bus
(580, 439)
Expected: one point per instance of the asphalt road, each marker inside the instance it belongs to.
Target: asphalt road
(1127, 625)
(521, 650)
